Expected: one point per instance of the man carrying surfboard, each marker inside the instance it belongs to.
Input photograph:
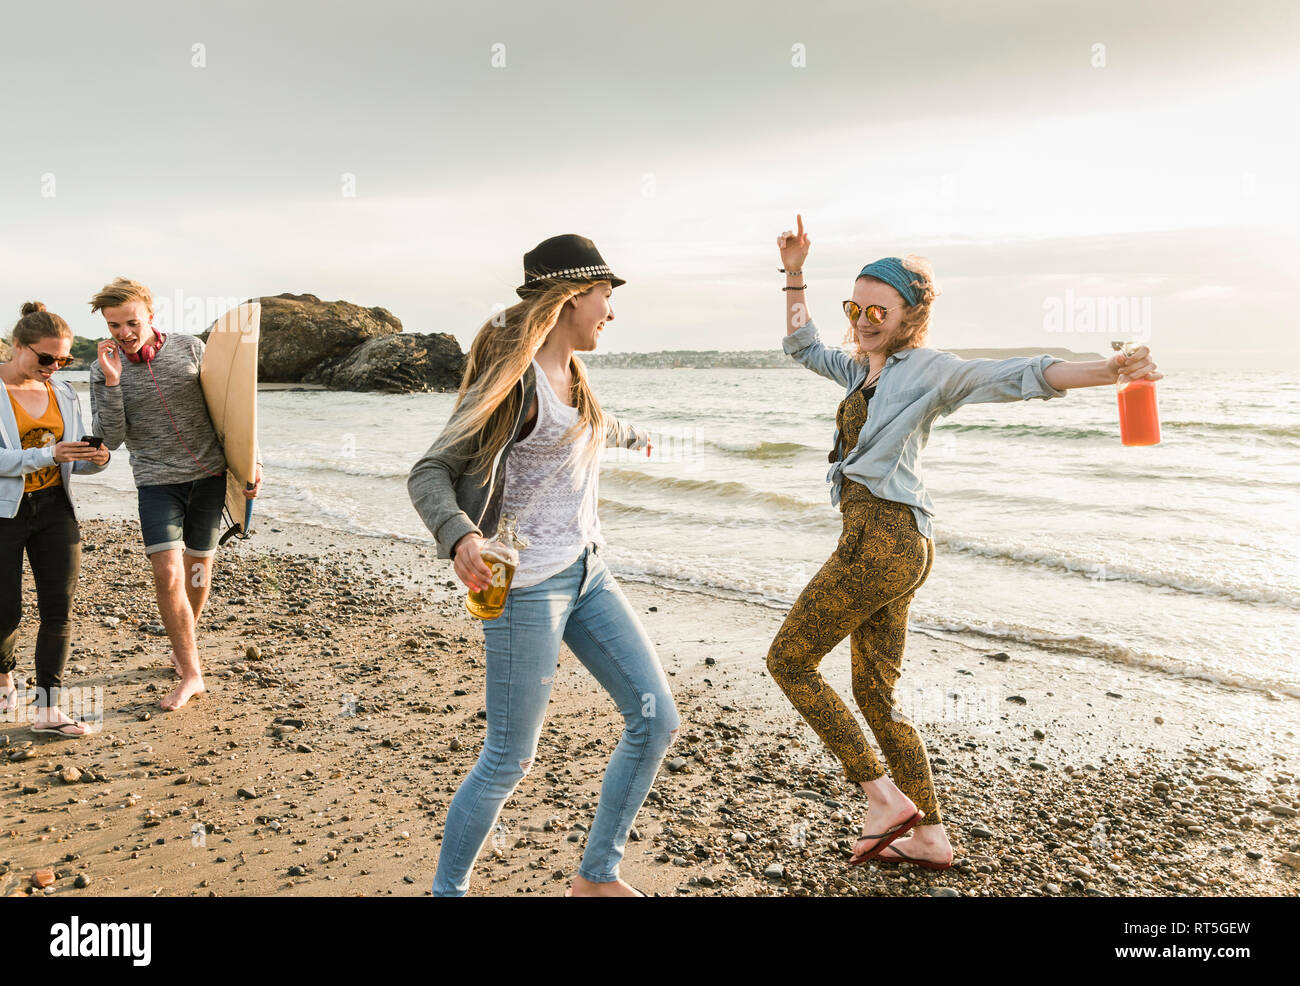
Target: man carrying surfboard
(152, 401)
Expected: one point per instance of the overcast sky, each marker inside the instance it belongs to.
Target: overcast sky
(381, 153)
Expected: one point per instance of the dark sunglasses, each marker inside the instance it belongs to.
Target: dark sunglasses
(45, 359)
(875, 313)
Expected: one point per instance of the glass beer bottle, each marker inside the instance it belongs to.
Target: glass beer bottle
(501, 555)
(1139, 419)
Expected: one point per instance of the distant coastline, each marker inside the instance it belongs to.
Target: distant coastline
(766, 359)
(84, 352)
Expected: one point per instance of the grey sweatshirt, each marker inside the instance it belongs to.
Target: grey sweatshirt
(133, 413)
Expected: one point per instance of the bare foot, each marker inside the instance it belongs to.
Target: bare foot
(582, 887)
(183, 692)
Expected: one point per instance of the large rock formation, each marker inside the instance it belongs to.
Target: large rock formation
(396, 364)
(301, 334)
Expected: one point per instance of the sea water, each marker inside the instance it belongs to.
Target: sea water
(1183, 557)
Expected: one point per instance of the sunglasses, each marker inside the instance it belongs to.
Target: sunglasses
(875, 313)
(45, 359)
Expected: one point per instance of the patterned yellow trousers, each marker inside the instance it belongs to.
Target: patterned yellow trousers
(863, 591)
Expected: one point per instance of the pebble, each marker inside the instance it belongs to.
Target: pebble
(774, 871)
(677, 764)
(69, 775)
(943, 892)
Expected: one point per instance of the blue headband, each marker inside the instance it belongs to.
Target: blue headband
(892, 272)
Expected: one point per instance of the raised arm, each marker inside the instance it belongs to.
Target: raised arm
(107, 416)
(801, 340)
(794, 253)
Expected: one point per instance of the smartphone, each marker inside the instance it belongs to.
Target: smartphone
(94, 440)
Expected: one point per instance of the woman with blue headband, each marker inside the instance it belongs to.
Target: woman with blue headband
(894, 390)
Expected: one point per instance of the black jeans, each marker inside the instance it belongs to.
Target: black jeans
(47, 529)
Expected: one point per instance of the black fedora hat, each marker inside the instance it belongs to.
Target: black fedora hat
(567, 257)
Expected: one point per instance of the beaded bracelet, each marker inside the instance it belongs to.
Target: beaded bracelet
(797, 287)
(796, 273)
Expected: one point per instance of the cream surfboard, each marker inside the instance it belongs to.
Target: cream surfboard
(229, 380)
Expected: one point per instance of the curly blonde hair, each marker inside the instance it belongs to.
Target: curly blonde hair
(915, 327)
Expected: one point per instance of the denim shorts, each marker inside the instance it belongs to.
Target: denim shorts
(183, 515)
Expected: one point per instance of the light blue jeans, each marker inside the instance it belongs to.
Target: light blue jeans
(584, 607)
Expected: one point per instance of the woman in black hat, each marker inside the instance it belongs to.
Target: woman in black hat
(524, 439)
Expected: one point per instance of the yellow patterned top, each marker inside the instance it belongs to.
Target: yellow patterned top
(40, 432)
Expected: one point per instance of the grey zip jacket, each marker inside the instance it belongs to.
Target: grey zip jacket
(453, 502)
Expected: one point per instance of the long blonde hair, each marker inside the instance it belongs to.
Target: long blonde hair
(488, 401)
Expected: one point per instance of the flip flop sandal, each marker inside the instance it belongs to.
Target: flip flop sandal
(926, 863)
(58, 728)
(885, 839)
(568, 891)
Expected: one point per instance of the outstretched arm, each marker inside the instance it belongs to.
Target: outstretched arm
(620, 434)
(1068, 375)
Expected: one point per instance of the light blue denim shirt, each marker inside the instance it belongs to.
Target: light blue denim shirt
(914, 388)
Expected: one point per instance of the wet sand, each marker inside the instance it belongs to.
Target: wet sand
(345, 687)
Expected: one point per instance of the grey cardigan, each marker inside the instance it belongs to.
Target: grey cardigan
(453, 502)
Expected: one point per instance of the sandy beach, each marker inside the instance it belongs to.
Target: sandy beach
(344, 701)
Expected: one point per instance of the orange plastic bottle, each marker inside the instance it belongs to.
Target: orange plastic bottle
(1139, 418)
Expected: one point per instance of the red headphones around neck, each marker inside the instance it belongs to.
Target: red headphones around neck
(148, 351)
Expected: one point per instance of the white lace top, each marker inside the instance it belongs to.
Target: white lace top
(554, 501)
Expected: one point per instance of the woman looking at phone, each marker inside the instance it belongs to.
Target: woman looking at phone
(40, 449)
